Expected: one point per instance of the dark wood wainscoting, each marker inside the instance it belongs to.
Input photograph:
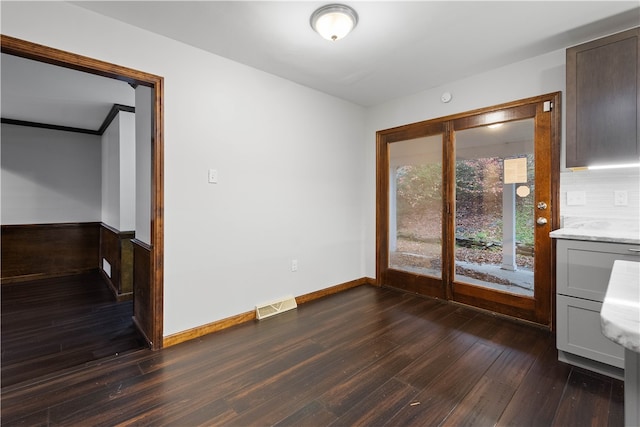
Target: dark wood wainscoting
(40, 251)
(143, 309)
(117, 250)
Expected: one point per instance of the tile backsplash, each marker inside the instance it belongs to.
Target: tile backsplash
(599, 188)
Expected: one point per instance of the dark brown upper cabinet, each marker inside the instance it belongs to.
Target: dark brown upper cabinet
(602, 101)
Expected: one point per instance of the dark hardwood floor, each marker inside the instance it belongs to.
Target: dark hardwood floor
(54, 324)
(366, 356)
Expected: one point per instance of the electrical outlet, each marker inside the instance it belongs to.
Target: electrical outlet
(620, 198)
(106, 267)
(576, 198)
(294, 265)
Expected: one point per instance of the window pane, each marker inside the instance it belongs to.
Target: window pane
(495, 194)
(415, 218)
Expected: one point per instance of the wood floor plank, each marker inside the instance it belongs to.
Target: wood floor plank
(536, 400)
(111, 404)
(486, 402)
(441, 358)
(210, 413)
(365, 356)
(34, 419)
(350, 391)
(383, 322)
(314, 413)
(585, 401)
(380, 405)
(54, 324)
(157, 387)
(616, 407)
(514, 363)
(482, 406)
(299, 388)
(448, 389)
(46, 393)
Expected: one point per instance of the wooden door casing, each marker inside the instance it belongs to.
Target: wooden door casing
(37, 52)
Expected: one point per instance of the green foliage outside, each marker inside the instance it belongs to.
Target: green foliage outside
(418, 187)
(478, 198)
(524, 224)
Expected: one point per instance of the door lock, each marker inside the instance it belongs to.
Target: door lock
(542, 206)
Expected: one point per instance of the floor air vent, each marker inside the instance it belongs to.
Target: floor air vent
(272, 308)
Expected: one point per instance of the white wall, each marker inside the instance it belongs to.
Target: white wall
(127, 171)
(43, 180)
(111, 175)
(289, 160)
(119, 173)
(143, 137)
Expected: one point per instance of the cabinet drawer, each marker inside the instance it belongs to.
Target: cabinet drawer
(579, 332)
(584, 268)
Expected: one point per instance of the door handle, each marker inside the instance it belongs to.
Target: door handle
(541, 221)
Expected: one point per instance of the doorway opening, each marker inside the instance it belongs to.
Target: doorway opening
(148, 257)
(466, 204)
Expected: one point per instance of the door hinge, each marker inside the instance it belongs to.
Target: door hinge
(547, 106)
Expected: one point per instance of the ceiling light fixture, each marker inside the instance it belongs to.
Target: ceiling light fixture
(334, 21)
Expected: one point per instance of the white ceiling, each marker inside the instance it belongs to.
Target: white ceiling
(398, 48)
(43, 93)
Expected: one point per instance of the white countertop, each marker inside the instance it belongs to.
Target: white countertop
(599, 230)
(620, 314)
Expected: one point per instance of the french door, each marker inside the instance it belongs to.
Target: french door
(465, 205)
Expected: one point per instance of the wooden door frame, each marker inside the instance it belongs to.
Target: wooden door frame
(412, 282)
(37, 52)
(478, 117)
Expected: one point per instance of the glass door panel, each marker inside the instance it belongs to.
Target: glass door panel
(415, 206)
(464, 208)
(494, 207)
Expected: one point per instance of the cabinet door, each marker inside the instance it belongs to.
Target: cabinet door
(603, 101)
(579, 332)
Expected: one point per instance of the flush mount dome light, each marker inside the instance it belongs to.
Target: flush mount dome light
(334, 21)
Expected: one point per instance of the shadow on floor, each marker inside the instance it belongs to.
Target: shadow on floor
(54, 324)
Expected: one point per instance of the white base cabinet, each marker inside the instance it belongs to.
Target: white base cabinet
(582, 274)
